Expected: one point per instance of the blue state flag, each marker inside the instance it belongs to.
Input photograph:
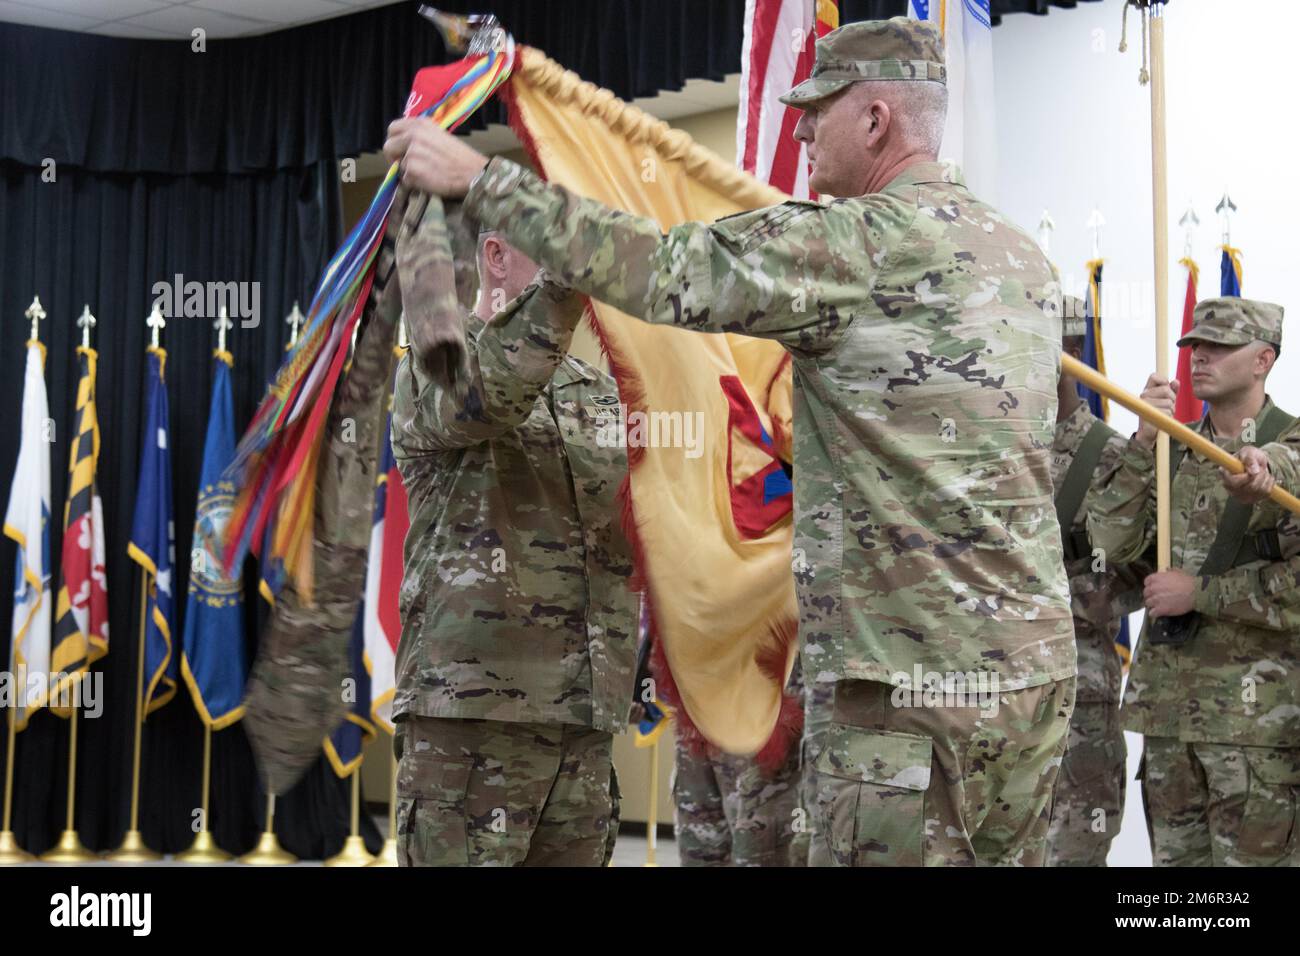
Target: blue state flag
(343, 747)
(153, 542)
(1230, 272)
(1093, 354)
(213, 661)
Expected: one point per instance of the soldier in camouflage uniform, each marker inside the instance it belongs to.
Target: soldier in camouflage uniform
(1215, 684)
(729, 811)
(1089, 801)
(518, 645)
(925, 334)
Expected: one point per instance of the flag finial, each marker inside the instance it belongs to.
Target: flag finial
(1095, 221)
(1045, 226)
(470, 34)
(156, 323)
(221, 325)
(86, 322)
(36, 314)
(1225, 209)
(1189, 222)
(294, 321)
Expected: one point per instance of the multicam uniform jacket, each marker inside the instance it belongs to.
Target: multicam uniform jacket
(515, 604)
(1237, 680)
(925, 334)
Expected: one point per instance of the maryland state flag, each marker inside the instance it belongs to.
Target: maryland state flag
(345, 745)
(153, 544)
(383, 625)
(81, 618)
(1230, 271)
(27, 522)
(213, 662)
(723, 611)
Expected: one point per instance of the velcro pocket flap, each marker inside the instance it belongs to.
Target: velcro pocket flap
(424, 775)
(1274, 765)
(882, 757)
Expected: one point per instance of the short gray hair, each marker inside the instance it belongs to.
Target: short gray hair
(917, 109)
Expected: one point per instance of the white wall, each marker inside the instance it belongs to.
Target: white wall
(1074, 133)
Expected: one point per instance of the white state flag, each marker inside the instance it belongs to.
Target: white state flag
(970, 133)
(27, 522)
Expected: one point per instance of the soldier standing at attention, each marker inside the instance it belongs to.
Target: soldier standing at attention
(1215, 684)
(1089, 802)
(518, 645)
(925, 334)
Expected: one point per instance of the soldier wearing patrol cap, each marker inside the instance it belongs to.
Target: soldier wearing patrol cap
(1215, 685)
(1089, 801)
(924, 328)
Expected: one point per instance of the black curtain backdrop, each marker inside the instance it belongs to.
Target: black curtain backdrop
(221, 166)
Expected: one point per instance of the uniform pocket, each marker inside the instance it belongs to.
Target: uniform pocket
(431, 822)
(1271, 816)
(870, 796)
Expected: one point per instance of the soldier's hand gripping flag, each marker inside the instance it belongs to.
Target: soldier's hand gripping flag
(153, 541)
(27, 522)
(81, 618)
(212, 659)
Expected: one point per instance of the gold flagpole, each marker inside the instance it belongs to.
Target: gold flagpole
(652, 815)
(133, 849)
(268, 851)
(10, 851)
(69, 849)
(388, 854)
(204, 850)
(354, 852)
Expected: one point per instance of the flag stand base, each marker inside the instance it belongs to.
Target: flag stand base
(354, 853)
(11, 853)
(133, 850)
(68, 850)
(387, 854)
(203, 850)
(268, 852)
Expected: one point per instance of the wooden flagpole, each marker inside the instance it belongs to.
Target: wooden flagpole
(1160, 227)
(1168, 425)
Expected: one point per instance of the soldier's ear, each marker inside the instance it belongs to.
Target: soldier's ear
(879, 117)
(494, 256)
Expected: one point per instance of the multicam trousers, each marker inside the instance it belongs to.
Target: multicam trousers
(1221, 804)
(931, 785)
(492, 793)
(1089, 801)
(729, 812)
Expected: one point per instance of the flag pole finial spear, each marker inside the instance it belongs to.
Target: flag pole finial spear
(1225, 209)
(86, 322)
(1095, 221)
(1045, 226)
(221, 325)
(35, 314)
(156, 323)
(1189, 222)
(294, 321)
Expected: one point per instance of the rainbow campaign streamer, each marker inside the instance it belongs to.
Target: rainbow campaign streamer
(276, 461)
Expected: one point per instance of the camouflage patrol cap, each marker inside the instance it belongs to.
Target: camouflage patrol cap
(895, 49)
(1230, 320)
(1074, 319)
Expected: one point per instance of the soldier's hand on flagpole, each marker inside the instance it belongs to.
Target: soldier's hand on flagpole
(1253, 484)
(432, 159)
(1160, 393)
(1169, 593)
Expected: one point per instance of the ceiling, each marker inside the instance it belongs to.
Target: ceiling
(175, 19)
